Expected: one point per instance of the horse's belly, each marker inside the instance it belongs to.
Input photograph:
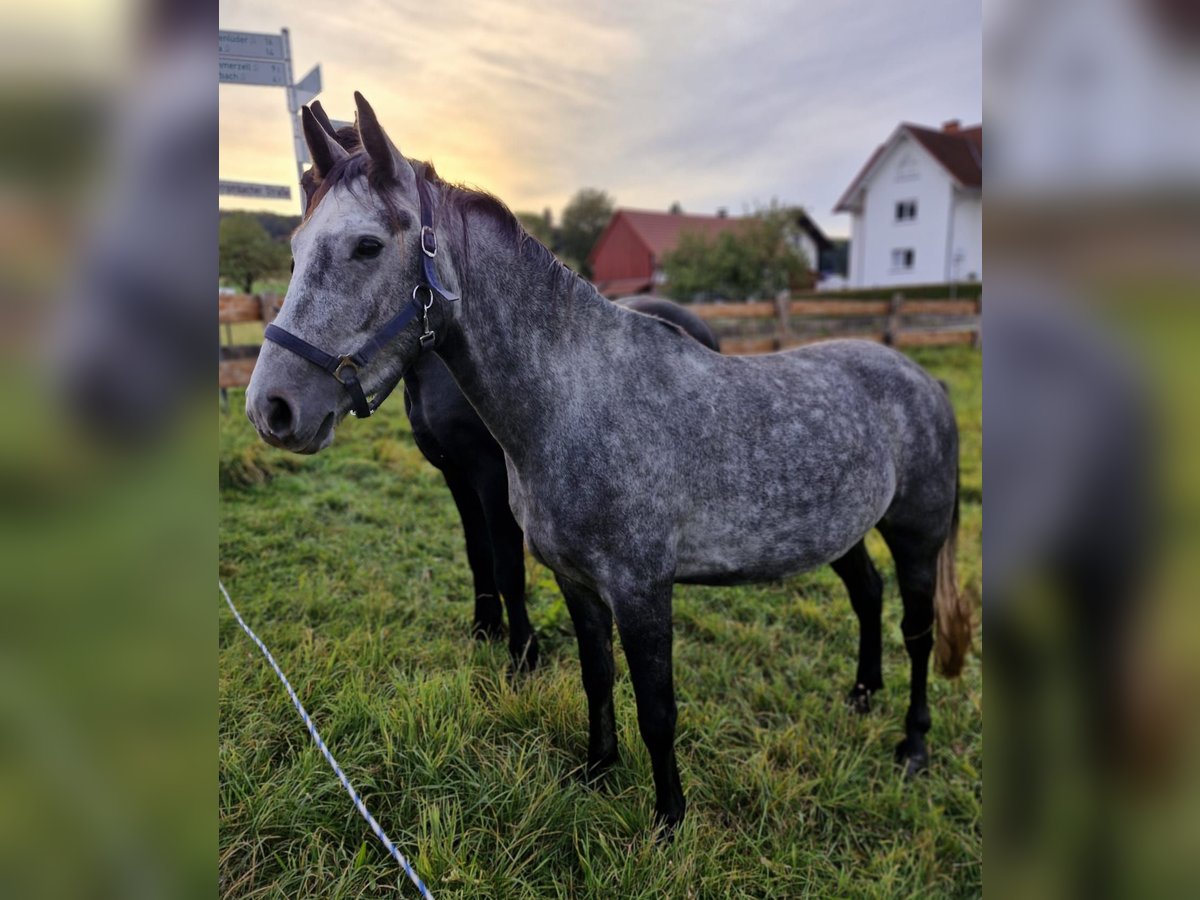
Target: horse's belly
(741, 542)
(764, 557)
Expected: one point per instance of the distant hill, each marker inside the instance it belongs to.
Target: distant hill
(279, 227)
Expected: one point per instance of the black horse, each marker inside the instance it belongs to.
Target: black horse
(454, 439)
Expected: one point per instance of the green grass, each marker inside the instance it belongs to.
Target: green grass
(350, 566)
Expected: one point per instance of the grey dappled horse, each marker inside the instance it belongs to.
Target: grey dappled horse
(450, 434)
(636, 457)
(454, 439)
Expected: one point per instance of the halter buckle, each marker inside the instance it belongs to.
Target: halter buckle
(346, 363)
(430, 248)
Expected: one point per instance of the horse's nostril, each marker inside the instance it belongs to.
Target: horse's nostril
(279, 417)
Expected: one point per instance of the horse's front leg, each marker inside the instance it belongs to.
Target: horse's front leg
(593, 631)
(488, 623)
(644, 621)
(508, 555)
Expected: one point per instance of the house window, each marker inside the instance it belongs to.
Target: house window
(902, 259)
(906, 169)
(906, 211)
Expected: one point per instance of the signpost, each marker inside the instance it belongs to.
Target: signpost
(253, 71)
(246, 57)
(249, 45)
(249, 189)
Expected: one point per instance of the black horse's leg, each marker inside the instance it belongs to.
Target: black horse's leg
(866, 596)
(645, 625)
(508, 560)
(593, 630)
(489, 622)
(916, 571)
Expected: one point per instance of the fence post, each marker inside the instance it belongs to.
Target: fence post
(893, 319)
(268, 307)
(783, 311)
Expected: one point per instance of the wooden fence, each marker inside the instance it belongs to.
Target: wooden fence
(237, 360)
(767, 326)
(742, 328)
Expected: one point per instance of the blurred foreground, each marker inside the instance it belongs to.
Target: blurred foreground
(1092, 333)
(107, 700)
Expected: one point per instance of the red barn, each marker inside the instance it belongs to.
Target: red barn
(628, 253)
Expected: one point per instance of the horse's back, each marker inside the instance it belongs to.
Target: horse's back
(674, 313)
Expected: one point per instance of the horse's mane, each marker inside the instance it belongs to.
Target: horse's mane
(467, 201)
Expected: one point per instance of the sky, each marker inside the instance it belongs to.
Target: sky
(711, 104)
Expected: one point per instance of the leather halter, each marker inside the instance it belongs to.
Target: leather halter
(345, 368)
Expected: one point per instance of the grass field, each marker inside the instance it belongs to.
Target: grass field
(350, 565)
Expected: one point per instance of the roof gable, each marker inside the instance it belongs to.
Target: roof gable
(959, 151)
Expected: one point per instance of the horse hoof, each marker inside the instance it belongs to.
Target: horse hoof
(914, 758)
(592, 775)
(666, 823)
(487, 631)
(524, 659)
(859, 699)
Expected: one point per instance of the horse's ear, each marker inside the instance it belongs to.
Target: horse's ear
(323, 149)
(386, 158)
(322, 119)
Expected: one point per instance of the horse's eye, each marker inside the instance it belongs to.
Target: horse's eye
(368, 248)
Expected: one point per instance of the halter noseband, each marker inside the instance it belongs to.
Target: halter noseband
(345, 368)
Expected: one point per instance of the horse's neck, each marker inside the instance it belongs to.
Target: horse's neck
(526, 342)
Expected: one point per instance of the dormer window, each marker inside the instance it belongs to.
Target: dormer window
(906, 210)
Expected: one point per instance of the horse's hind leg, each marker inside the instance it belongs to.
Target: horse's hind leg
(508, 555)
(489, 622)
(916, 559)
(866, 596)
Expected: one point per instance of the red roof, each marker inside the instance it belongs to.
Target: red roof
(958, 150)
(660, 231)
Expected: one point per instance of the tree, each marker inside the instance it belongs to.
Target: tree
(756, 257)
(582, 221)
(247, 252)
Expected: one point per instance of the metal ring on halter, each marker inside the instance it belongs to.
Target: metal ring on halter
(428, 230)
(345, 363)
(427, 305)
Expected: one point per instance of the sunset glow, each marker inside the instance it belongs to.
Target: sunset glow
(706, 104)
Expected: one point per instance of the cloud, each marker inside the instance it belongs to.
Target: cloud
(706, 103)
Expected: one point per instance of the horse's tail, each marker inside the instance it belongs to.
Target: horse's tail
(951, 611)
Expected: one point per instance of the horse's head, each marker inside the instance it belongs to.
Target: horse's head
(357, 259)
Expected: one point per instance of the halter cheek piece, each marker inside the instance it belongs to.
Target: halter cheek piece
(345, 368)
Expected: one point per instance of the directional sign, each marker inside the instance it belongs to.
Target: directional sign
(246, 57)
(309, 86)
(249, 189)
(253, 71)
(249, 45)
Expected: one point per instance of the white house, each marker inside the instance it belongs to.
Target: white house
(917, 209)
